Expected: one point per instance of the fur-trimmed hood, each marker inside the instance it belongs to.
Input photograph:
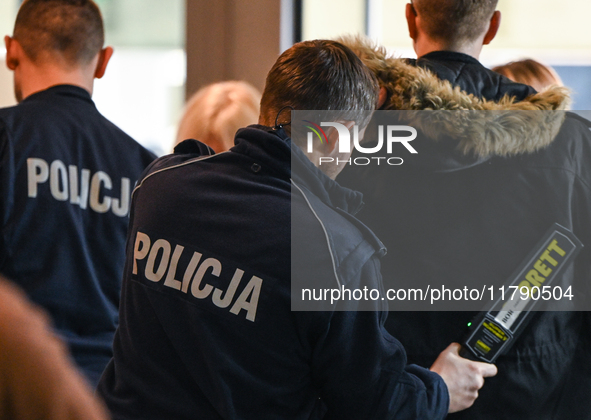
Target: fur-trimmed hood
(485, 128)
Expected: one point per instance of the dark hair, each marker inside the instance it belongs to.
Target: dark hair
(320, 75)
(455, 20)
(530, 72)
(71, 28)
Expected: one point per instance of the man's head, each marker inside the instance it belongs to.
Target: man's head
(66, 36)
(319, 75)
(453, 25)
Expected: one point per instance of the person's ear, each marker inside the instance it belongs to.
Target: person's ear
(12, 52)
(103, 59)
(411, 20)
(383, 95)
(495, 22)
(333, 137)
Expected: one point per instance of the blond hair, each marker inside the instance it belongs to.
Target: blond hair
(530, 72)
(215, 112)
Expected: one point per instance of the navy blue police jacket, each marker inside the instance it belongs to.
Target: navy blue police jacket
(207, 329)
(66, 175)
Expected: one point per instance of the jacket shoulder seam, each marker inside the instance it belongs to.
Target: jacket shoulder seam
(158, 171)
(330, 251)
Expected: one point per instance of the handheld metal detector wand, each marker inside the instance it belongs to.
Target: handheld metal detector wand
(493, 332)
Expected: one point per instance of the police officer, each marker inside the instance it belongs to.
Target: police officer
(66, 175)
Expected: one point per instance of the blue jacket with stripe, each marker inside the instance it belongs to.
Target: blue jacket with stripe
(215, 247)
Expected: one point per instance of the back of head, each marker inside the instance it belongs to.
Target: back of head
(530, 72)
(319, 75)
(455, 21)
(214, 113)
(66, 31)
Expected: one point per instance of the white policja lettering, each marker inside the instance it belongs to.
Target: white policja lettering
(67, 183)
(163, 259)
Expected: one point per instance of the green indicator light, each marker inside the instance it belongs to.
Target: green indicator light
(469, 324)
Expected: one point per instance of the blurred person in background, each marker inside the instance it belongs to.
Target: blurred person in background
(37, 377)
(66, 175)
(530, 72)
(214, 113)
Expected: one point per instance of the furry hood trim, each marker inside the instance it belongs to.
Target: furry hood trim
(511, 128)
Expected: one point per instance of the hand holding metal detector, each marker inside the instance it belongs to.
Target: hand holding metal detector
(496, 330)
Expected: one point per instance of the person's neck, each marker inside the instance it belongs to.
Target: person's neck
(427, 46)
(38, 78)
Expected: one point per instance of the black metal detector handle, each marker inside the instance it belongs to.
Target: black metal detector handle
(467, 354)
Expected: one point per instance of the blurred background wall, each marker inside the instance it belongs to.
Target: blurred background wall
(167, 49)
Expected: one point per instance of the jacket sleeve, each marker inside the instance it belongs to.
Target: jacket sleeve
(361, 369)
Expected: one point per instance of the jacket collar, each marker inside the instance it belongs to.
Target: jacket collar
(329, 191)
(451, 56)
(274, 148)
(480, 135)
(61, 90)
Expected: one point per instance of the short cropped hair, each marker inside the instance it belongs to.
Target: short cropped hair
(71, 28)
(530, 72)
(215, 112)
(320, 75)
(455, 20)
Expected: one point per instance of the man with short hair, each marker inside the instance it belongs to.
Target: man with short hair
(66, 175)
(466, 210)
(448, 36)
(216, 243)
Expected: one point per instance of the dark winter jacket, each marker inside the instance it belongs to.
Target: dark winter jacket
(66, 175)
(471, 76)
(468, 208)
(206, 326)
